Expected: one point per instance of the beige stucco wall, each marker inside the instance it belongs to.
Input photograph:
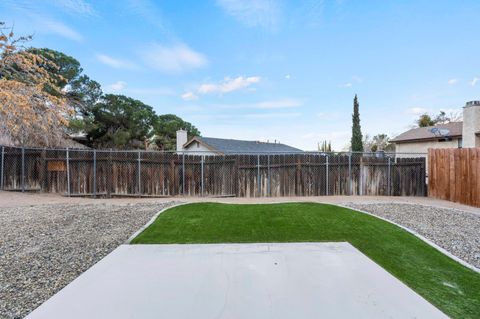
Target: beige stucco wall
(422, 147)
(471, 125)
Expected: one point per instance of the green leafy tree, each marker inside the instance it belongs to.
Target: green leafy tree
(356, 141)
(166, 127)
(81, 92)
(425, 120)
(120, 122)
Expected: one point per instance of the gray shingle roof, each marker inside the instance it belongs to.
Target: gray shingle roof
(424, 133)
(238, 146)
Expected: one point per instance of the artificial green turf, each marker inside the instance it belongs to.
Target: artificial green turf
(447, 284)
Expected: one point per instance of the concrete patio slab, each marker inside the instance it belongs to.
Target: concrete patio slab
(291, 280)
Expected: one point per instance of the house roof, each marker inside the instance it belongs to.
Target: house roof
(424, 133)
(230, 146)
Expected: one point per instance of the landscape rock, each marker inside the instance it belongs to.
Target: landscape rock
(45, 247)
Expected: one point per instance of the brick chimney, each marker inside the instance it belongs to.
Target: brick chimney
(471, 124)
(182, 138)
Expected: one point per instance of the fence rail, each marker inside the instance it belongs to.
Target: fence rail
(100, 173)
(454, 174)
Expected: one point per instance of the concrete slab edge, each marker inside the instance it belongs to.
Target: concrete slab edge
(128, 241)
(424, 239)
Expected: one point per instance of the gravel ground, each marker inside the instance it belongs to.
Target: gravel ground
(456, 231)
(43, 248)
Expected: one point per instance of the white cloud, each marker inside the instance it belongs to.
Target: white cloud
(327, 115)
(173, 59)
(75, 6)
(416, 110)
(149, 12)
(59, 28)
(278, 104)
(253, 13)
(228, 85)
(353, 79)
(285, 103)
(272, 115)
(117, 86)
(189, 96)
(452, 81)
(288, 76)
(115, 63)
(474, 81)
(357, 79)
(153, 91)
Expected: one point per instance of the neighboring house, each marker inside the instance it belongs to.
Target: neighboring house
(220, 146)
(449, 135)
(77, 140)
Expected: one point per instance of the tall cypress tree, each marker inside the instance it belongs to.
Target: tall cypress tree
(357, 144)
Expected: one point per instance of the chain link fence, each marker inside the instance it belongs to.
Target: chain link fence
(109, 173)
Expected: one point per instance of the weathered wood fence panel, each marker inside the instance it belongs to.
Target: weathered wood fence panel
(103, 173)
(454, 175)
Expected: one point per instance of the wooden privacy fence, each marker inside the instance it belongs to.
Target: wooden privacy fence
(454, 174)
(147, 173)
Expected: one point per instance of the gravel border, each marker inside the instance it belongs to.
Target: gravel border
(43, 248)
(456, 231)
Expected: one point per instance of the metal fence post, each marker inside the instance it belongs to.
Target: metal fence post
(388, 177)
(360, 182)
(268, 176)
(68, 171)
(1, 167)
(139, 172)
(94, 174)
(23, 170)
(203, 157)
(258, 176)
(183, 174)
(326, 176)
(350, 192)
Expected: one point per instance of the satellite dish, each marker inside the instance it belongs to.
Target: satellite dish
(440, 131)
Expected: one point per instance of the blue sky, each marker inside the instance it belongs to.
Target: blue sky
(271, 70)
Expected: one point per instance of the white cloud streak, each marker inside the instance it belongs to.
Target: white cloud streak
(354, 79)
(273, 115)
(189, 96)
(228, 85)
(59, 28)
(253, 13)
(452, 81)
(164, 91)
(78, 7)
(278, 104)
(474, 81)
(176, 58)
(117, 86)
(115, 63)
(416, 110)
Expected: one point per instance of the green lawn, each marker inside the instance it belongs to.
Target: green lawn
(448, 285)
